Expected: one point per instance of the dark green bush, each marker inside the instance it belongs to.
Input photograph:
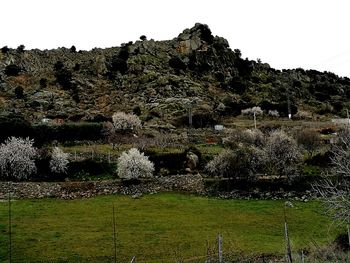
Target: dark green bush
(342, 242)
(68, 132)
(19, 92)
(12, 70)
(177, 64)
(4, 49)
(14, 125)
(172, 161)
(89, 167)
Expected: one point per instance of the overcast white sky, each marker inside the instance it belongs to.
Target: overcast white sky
(284, 33)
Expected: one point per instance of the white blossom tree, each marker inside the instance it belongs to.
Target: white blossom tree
(17, 158)
(282, 155)
(134, 165)
(121, 129)
(59, 161)
(125, 122)
(252, 111)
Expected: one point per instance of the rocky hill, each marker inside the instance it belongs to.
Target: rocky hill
(160, 81)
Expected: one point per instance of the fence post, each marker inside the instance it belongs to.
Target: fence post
(220, 248)
(208, 251)
(114, 237)
(10, 220)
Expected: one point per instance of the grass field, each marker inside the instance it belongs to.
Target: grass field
(155, 228)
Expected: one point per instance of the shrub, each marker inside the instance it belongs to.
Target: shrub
(14, 125)
(20, 48)
(12, 70)
(125, 122)
(17, 158)
(89, 167)
(67, 132)
(43, 83)
(119, 65)
(73, 49)
(172, 161)
(309, 139)
(250, 137)
(134, 165)
(19, 92)
(282, 155)
(5, 50)
(251, 111)
(59, 161)
(177, 64)
(233, 163)
(273, 113)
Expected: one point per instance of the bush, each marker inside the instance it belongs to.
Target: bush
(125, 122)
(5, 50)
(88, 167)
(67, 132)
(19, 92)
(282, 155)
(174, 162)
(177, 64)
(17, 158)
(251, 111)
(12, 70)
(59, 161)
(134, 165)
(309, 139)
(249, 137)
(14, 125)
(43, 83)
(238, 163)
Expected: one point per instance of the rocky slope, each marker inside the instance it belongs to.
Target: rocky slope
(160, 81)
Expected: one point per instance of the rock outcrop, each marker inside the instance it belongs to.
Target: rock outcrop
(162, 78)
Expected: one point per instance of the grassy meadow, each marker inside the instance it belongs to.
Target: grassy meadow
(155, 228)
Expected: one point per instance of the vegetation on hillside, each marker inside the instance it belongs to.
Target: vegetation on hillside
(160, 81)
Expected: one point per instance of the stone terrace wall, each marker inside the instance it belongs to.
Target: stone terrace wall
(72, 190)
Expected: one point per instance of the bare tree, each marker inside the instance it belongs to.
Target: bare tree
(336, 192)
(17, 158)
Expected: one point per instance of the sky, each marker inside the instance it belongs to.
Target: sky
(287, 34)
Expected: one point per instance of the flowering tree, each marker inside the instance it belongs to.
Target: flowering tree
(282, 155)
(134, 165)
(119, 130)
(125, 122)
(252, 111)
(17, 158)
(59, 161)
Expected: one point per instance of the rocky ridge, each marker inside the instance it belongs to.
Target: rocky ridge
(163, 78)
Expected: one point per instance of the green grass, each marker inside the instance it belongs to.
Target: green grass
(154, 228)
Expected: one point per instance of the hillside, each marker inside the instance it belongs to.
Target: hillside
(160, 81)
